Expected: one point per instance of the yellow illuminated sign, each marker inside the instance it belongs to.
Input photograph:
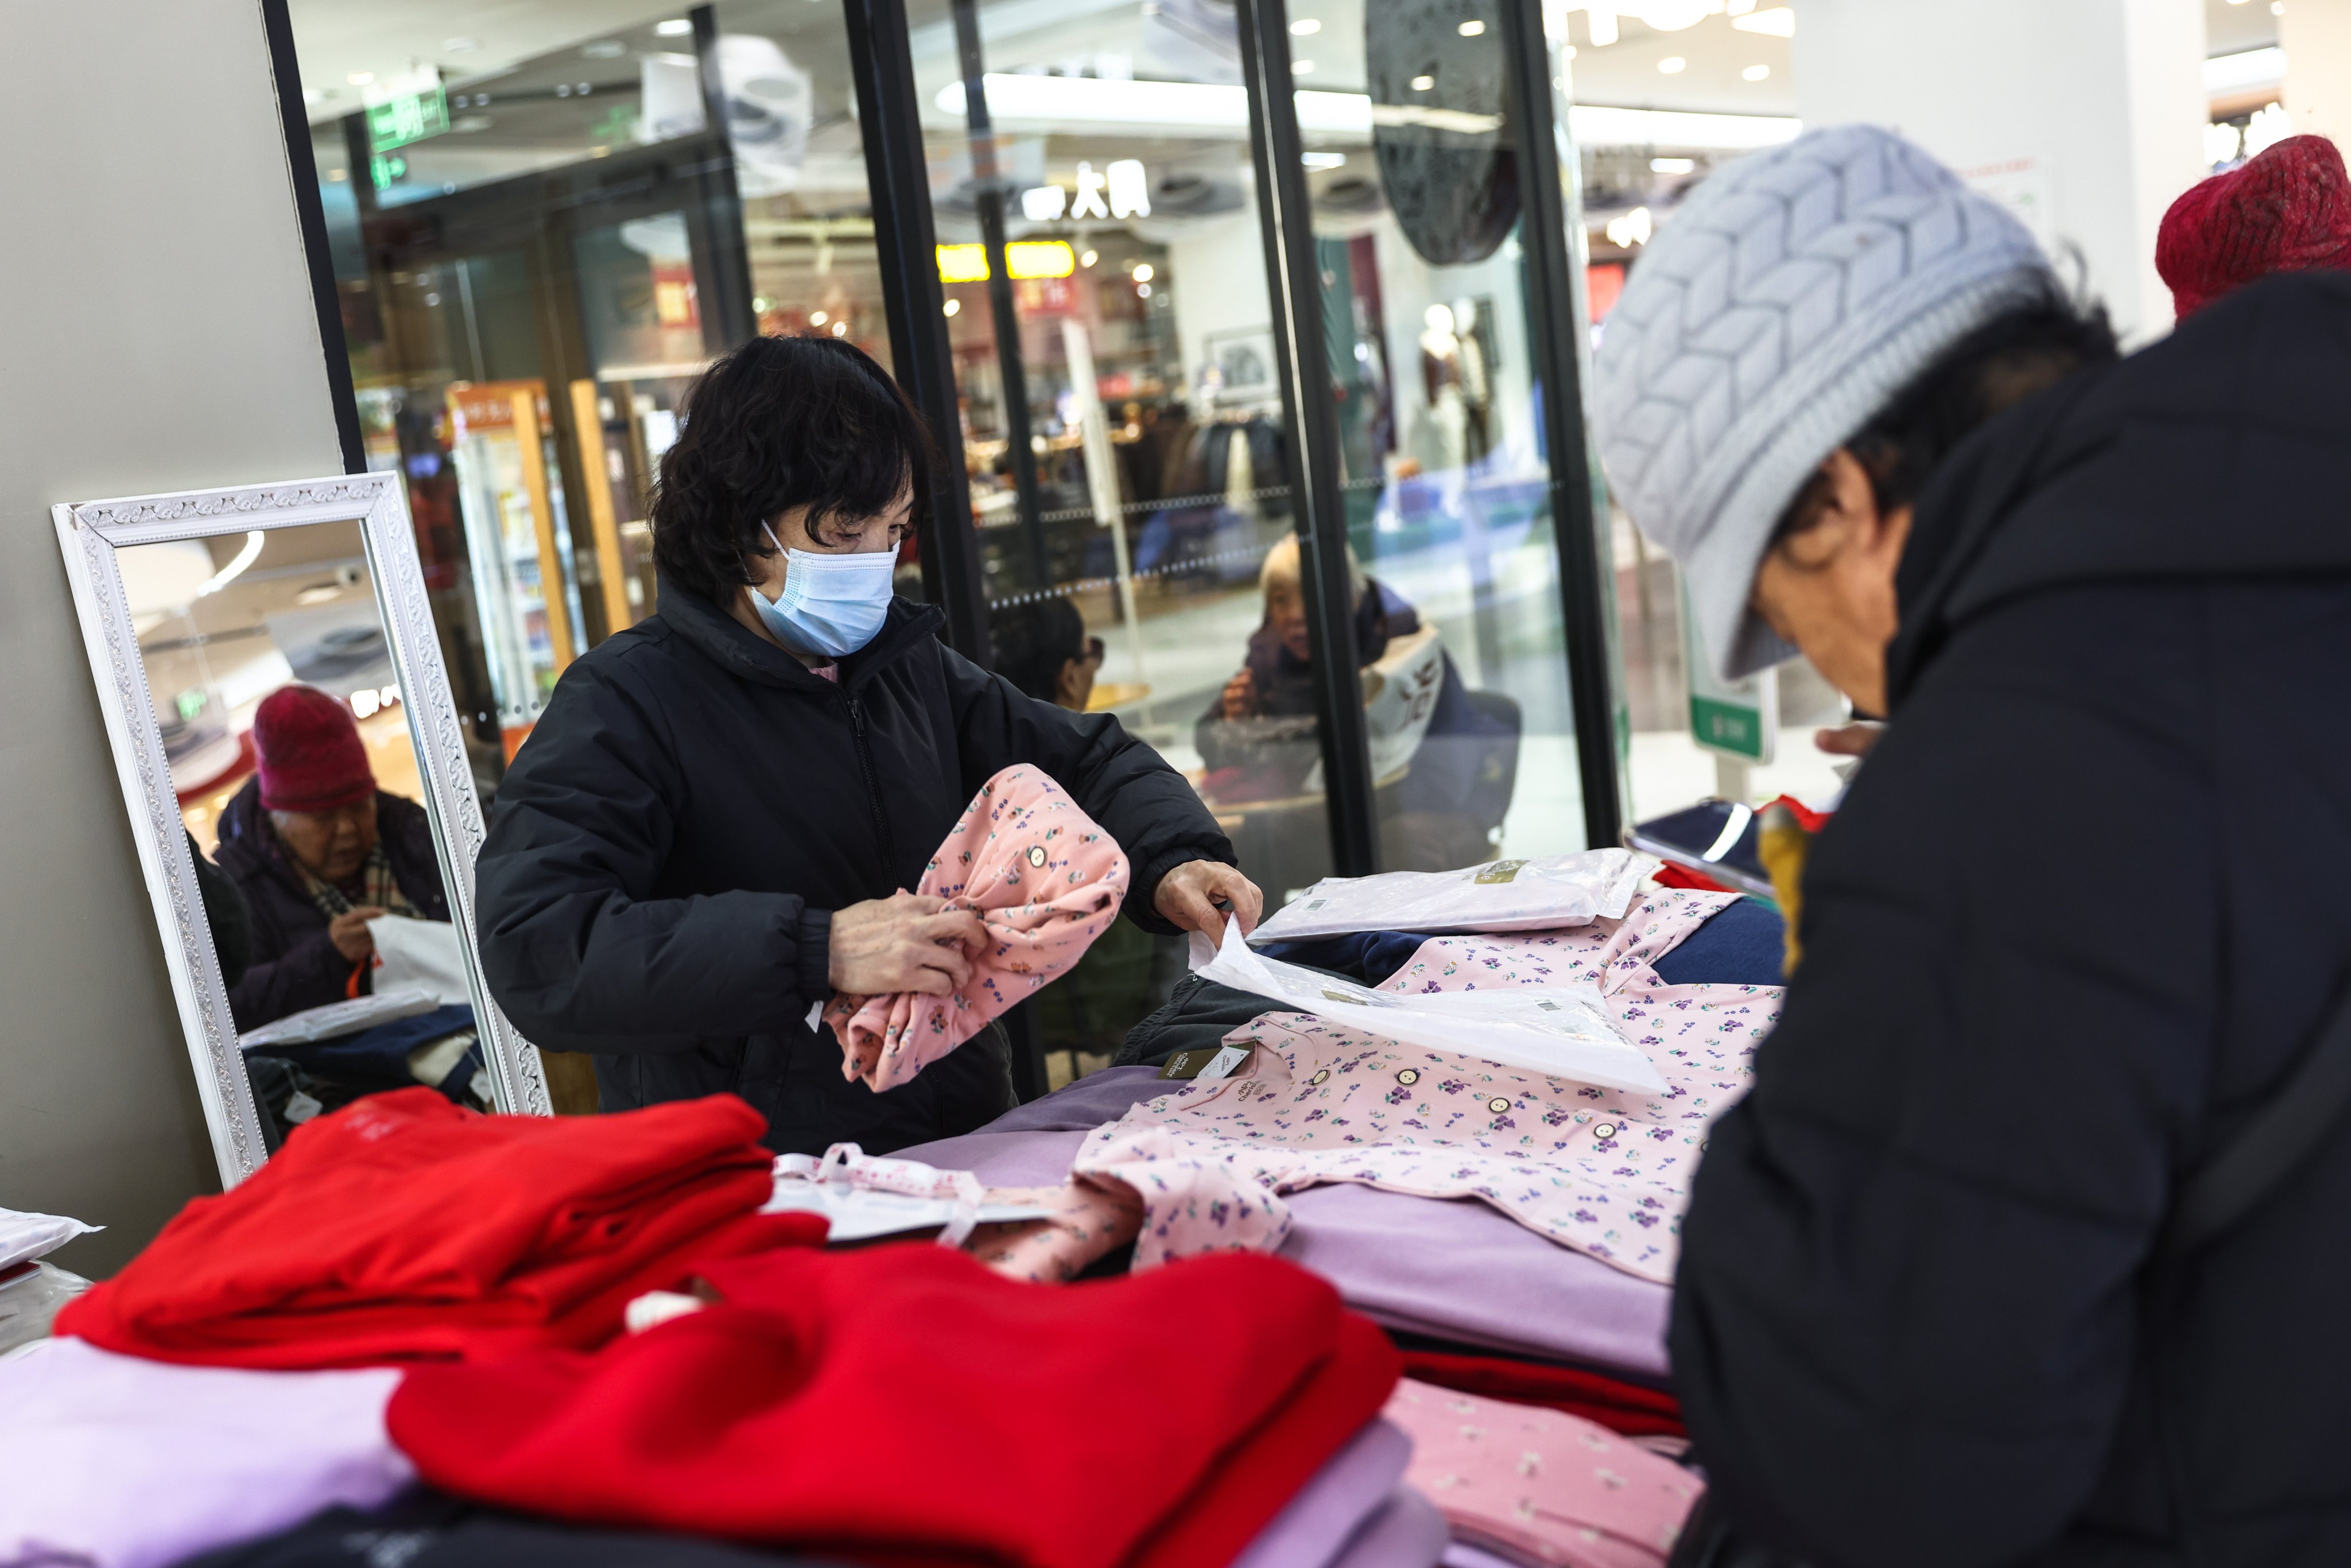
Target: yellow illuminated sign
(1022, 258)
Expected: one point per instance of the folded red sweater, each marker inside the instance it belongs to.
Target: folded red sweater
(904, 1404)
(1625, 1409)
(404, 1226)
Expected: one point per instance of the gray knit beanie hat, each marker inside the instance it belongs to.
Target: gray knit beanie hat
(1793, 296)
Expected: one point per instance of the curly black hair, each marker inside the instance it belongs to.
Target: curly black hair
(781, 423)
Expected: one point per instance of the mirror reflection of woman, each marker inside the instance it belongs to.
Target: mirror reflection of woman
(711, 829)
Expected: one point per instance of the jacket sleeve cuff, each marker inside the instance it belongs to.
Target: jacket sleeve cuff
(815, 967)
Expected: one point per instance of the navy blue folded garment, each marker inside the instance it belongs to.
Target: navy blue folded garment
(1365, 957)
(378, 1058)
(1745, 944)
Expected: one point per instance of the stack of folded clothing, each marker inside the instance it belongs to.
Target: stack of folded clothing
(412, 1320)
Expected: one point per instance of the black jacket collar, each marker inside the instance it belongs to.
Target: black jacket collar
(730, 645)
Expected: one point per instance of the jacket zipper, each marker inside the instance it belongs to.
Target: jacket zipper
(872, 790)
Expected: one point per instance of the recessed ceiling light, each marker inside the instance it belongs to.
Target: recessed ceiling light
(675, 27)
(1301, 67)
(1779, 22)
(1422, 84)
(1142, 272)
(1673, 64)
(1090, 258)
(360, 78)
(1756, 73)
(1472, 28)
(818, 318)
(1673, 165)
(1306, 27)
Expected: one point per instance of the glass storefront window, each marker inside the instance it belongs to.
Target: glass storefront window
(1448, 487)
(1123, 420)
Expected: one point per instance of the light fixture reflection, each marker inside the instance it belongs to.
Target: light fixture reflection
(236, 568)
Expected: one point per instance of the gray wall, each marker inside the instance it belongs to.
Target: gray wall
(158, 334)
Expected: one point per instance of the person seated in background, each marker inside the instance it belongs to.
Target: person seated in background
(318, 852)
(1259, 738)
(1042, 648)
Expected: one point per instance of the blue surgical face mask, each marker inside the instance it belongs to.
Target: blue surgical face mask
(832, 604)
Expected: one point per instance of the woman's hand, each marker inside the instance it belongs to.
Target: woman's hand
(906, 941)
(1186, 898)
(349, 932)
(1240, 695)
(1854, 739)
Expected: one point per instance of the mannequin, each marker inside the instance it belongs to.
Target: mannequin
(1476, 386)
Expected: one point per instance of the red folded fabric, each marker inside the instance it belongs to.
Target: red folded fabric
(904, 1404)
(1625, 1409)
(404, 1226)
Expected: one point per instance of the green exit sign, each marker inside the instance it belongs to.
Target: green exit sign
(407, 109)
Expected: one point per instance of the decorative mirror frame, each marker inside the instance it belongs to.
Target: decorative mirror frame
(90, 532)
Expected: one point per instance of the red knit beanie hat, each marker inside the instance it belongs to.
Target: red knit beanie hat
(310, 755)
(2287, 210)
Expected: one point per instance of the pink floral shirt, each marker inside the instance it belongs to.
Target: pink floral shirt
(1601, 1170)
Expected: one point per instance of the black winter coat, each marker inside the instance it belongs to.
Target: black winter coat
(294, 964)
(2082, 910)
(667, 850)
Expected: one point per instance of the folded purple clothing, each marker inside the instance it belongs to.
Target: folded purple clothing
(1315, 1528)
(1397, 1258)
(1408, 1533)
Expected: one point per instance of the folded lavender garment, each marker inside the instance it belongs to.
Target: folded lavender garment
(1408, 1533)
(1317, 1525)
(1397, 1258)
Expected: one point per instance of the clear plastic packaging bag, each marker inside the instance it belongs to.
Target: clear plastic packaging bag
(1540, 894)
(31, 1298)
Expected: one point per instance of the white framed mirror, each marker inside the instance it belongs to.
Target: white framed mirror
(342, 821)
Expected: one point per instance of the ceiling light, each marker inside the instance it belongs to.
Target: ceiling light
(1422, 84)
(1779, 22)
(841, 329)
(1471, 28)
(1306, 27)
(818, 318)
(1143, 291)
(1323, 160)
(1673, 15)
(1064, 104)
(675, 27)
(1633, 228)
(237, 563)
(1143, 272)
(1301, 67)
(2246, 70)
(1755, 73)
(1090, 258)
(1604, 24)
(1673, 165)
(951, 306)
(1673, 64)
(360, 78)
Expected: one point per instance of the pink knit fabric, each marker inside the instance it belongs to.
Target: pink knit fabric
(1541, 1486)
(1045, 881)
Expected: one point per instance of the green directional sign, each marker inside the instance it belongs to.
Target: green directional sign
(408, 108)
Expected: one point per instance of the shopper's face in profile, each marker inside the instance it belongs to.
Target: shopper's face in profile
(1285, 612)
(1829, 586)
(1076, 687)
(332, 844)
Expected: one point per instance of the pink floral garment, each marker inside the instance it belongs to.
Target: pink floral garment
(1046, 882)
(1603, 1171)
(1541, 1486)
(1171, 1202)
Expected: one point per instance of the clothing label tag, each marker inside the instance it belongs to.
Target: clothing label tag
(300, 1107)
(1501, 871)
(1206, 1061)
(1224, 1061)
(478, 1086)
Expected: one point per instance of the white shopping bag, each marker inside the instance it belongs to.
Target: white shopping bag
(1563, 1033)
(419, 954)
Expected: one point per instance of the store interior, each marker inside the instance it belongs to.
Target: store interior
(1269, 859)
